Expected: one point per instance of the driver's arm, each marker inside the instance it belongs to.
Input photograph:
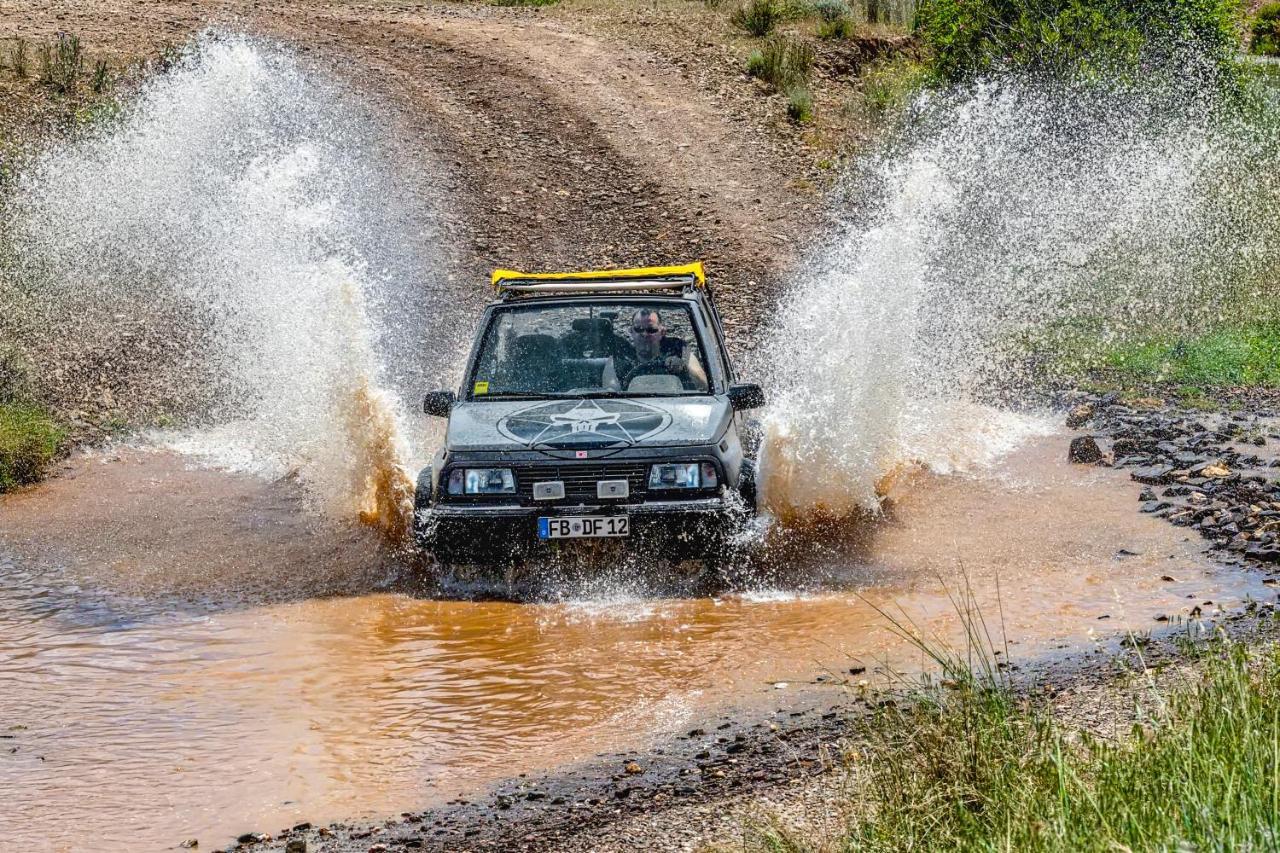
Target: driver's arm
(695, 371)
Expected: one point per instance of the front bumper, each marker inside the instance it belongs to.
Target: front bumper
(471, 533)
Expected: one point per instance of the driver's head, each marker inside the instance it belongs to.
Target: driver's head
(646, 332)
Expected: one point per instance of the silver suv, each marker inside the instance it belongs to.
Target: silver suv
(598, 404)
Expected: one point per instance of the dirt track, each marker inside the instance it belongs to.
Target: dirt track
(556, 146)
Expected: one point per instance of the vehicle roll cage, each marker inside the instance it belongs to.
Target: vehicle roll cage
(513, 284)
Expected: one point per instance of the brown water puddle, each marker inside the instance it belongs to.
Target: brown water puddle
(184, 653)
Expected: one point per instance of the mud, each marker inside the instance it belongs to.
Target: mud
(194, 656)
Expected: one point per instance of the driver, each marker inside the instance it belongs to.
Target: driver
(652, 346)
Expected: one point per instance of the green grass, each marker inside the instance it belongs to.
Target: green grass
(1264, 30)
(799, 103)
(1231, 357)
(970, 766)
(29, 441)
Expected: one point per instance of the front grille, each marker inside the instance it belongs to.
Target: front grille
(580, 480)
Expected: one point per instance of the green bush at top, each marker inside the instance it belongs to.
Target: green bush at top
(29, 441)
(1266, 31)
(840, 28)
(756, 16)
(967, 38)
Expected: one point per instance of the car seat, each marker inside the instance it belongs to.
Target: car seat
(533, 364)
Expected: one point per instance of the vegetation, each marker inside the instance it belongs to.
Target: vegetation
(1248, 355)
(887, 85)
(756, 16)
(1265, 31)
(832, 10)
(29, 441)
(971, 766)
(965, 38)
(799, 103)
(18, 59)
(62, 64)
(782, 63)
(839, 28)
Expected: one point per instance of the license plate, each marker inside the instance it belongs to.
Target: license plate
(584, 526)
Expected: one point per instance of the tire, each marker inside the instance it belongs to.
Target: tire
(747, 484)
(421, 503)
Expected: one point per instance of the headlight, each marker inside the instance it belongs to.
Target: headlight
(482, 481)
(683, 475)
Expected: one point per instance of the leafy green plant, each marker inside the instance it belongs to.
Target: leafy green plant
(887, 85)
(1265, 31)
(29, 441)
(18, 59)
(756, 16)
(965, 38)
(62, 64)
(782, 63)
(799, 103)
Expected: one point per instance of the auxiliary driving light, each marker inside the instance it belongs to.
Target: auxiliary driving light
(482, 481)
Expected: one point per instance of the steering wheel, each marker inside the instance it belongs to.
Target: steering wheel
(644, 368)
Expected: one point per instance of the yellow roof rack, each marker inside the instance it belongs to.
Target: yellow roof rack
(601, 281)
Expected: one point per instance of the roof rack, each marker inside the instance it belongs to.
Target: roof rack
(514, 283)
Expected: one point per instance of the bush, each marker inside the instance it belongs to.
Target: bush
(832, 10)
(965, 38)
(782, 63)
(888, 85)
(29, 441)
(840, 28)
(756, 16)
(1265, 31)
(799, 103)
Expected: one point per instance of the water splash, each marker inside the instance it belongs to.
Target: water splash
(1004, 222)
(235, 247)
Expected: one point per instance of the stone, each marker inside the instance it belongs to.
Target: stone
(296, 845)
(1153, 475)
(1084, 451)
(1080, 415)
(633, 768)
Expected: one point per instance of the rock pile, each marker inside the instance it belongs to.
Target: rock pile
(1209, 472)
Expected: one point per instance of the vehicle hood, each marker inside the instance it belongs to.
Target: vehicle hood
(587, 424)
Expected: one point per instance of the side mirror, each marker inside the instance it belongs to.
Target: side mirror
(439, 403)
(746, 395)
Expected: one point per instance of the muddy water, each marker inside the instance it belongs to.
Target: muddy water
(184, 654)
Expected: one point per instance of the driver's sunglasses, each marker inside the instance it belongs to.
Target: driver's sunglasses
(645, 330)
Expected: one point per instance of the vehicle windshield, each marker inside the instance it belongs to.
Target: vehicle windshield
(590, 349)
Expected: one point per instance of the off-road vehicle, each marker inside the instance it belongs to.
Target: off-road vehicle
(594, 404)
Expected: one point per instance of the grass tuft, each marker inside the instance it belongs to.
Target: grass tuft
(18, 59)
(62, 64)
(1264, 31)
(756, 16)
(839, 28)
(799, 103)
(533, 3)
(782, 63)
(29, 441)
(101, 77)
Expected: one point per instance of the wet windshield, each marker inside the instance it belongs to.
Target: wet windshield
(590, 349)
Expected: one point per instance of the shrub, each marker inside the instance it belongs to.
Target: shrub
(832, 10)
(1265, 31)
(29, 441)
(756, 16)
(799, 103)
(1063, 37)
(61, 64)
(840, 28)
(18, 59)
(782, 63)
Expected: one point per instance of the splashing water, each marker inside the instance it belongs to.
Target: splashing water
(1003, 222)
(244, 206)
